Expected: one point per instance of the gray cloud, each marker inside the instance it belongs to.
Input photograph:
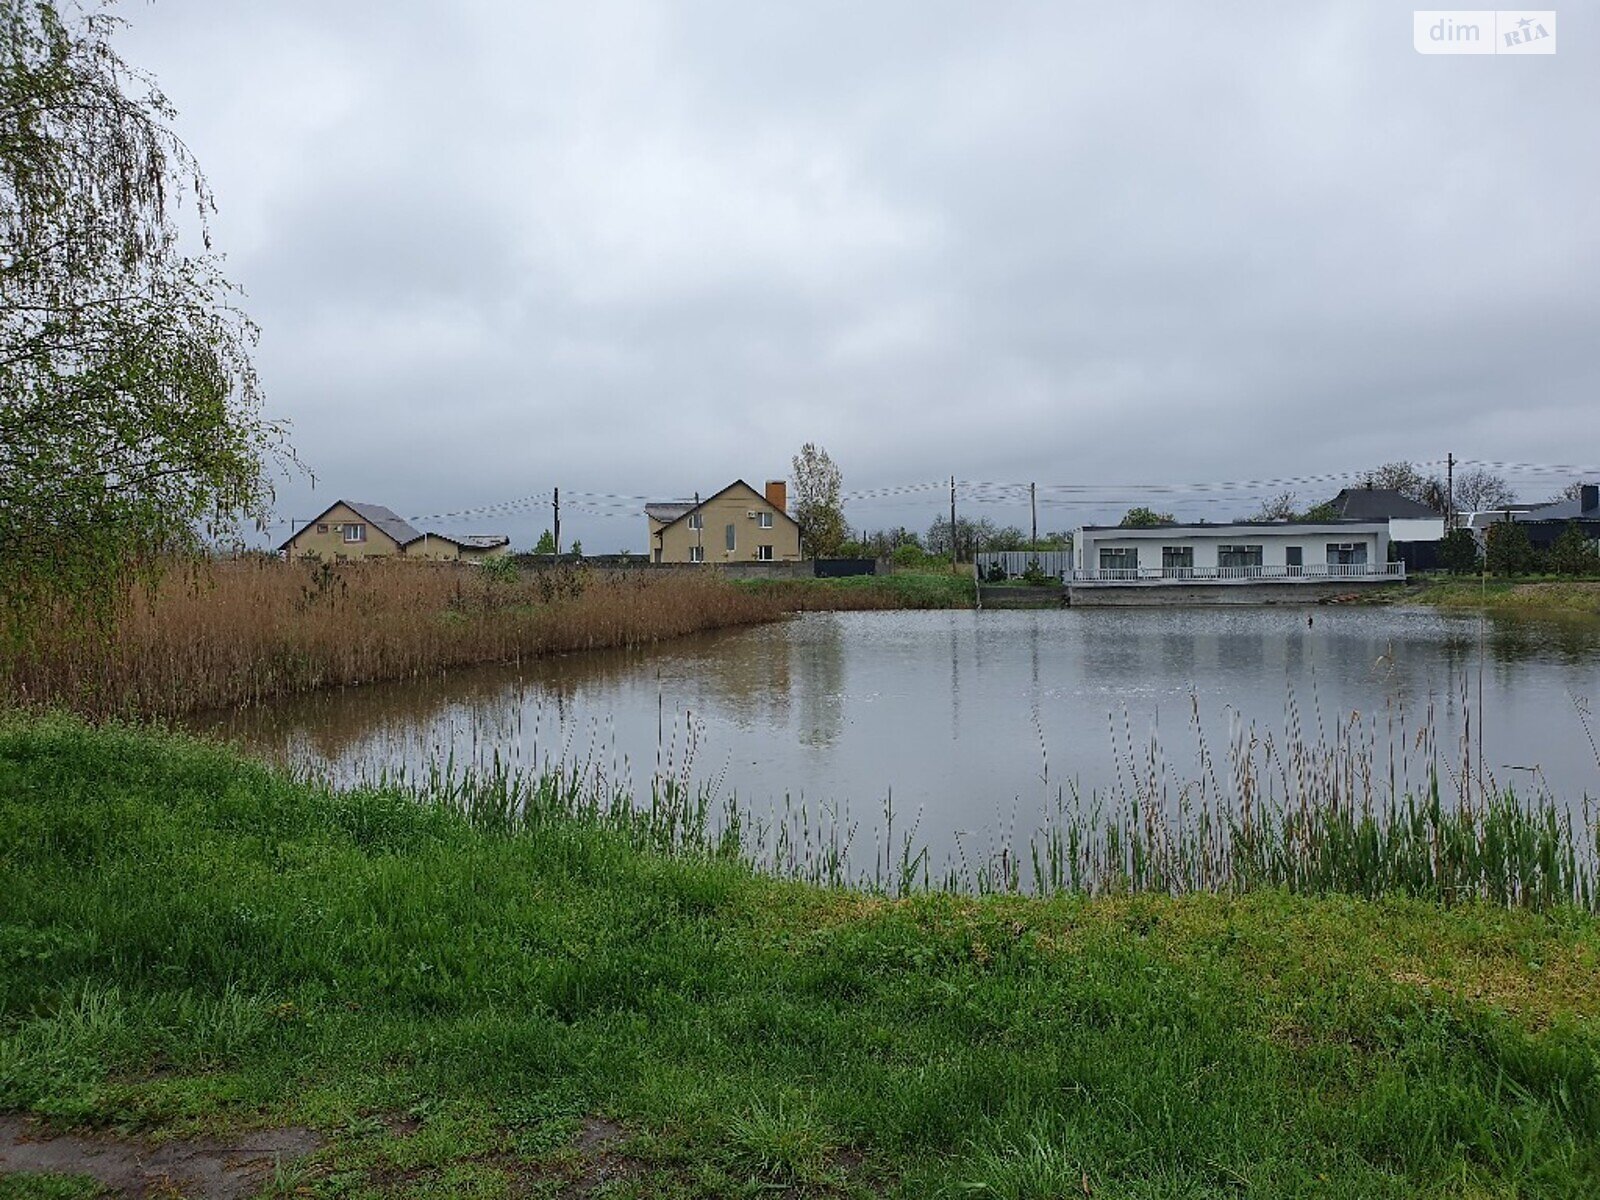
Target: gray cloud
(641, 249)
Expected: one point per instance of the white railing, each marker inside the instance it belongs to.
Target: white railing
(1310, 573)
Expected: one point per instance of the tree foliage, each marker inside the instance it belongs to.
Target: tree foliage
(1458, 552)
(1409, 480)
(546, 543)
(818, 509)
(130, 416)
(973, 535)
(1573, 553)
(1285, 507)
(1509, 552)
(1145, 518)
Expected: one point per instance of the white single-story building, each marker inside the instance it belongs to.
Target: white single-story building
(1241, 551)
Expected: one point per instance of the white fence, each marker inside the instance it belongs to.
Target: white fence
(1310, 573)
(1014, 563)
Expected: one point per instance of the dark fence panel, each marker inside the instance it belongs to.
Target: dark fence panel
(836, 568)
(1417, 556)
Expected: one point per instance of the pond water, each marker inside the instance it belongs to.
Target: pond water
(970, 722)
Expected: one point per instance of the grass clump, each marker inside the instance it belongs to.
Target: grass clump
(190, 943)
(243, 632)
(902, 590)
(1556, 596)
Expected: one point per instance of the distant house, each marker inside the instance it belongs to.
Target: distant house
(1546, 522)
(1239, 552)
(737, 524)
(1409, 520)
(1414, 528)
(355, 530)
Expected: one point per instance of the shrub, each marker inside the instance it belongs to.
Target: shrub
(1459, 553)
(1509, 551)
(1036, 575)
(1573, 553)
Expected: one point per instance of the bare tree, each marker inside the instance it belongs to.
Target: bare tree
(1282, 507)
(1408, 479)
(1479, 489)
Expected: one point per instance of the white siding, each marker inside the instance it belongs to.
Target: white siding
(1313, 542)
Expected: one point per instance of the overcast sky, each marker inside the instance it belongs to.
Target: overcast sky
(646, 249)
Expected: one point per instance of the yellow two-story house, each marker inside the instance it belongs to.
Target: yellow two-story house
(736, 525)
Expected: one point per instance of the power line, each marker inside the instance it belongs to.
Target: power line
(1051, 495)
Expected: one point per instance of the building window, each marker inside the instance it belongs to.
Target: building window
(697, 521)
(355, 533)
(728, 536)
(764, 520)
(1119, 558)
(1347, 554)
(1294, 557)
(1241, 560)
(697, 554)
(764, 553)
(1177, 560)
(322, 527)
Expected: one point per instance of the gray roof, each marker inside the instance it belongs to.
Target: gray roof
(473, 541)
(1380, 504)
(386, 519)
(1564, 510)
(1222, 526)
(669, 510)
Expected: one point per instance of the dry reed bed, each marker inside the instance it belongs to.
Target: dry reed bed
(241, 632)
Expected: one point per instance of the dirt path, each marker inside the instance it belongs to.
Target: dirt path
(128, 1167)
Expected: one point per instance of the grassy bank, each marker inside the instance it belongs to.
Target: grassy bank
(904, 589)
(242, 632)
(190, 943)
(1580, 597)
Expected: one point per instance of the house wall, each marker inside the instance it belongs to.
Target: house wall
(1420, 530)
(433, 548)
(731, 508)
(331, 545)
(1274, 543)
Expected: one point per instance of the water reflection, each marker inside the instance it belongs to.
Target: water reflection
(947, 710)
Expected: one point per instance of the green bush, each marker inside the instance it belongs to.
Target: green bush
(1573, 553)
(1509, 551)
(1459, 553)
(912, 557)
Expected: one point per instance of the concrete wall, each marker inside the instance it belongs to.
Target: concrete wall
(673, 543)
(325, 539)
(791, 569)
(1103, 595)
(1312, 540)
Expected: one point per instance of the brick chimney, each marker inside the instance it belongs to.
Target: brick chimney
(778, 494)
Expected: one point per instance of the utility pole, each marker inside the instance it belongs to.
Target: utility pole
(556, 501)
(1033, 507)
(700, 528)
(1450, 491)
(952, 524)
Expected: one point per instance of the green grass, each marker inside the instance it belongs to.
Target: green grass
(192, 943)
(903, 589)
(1551, 594)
